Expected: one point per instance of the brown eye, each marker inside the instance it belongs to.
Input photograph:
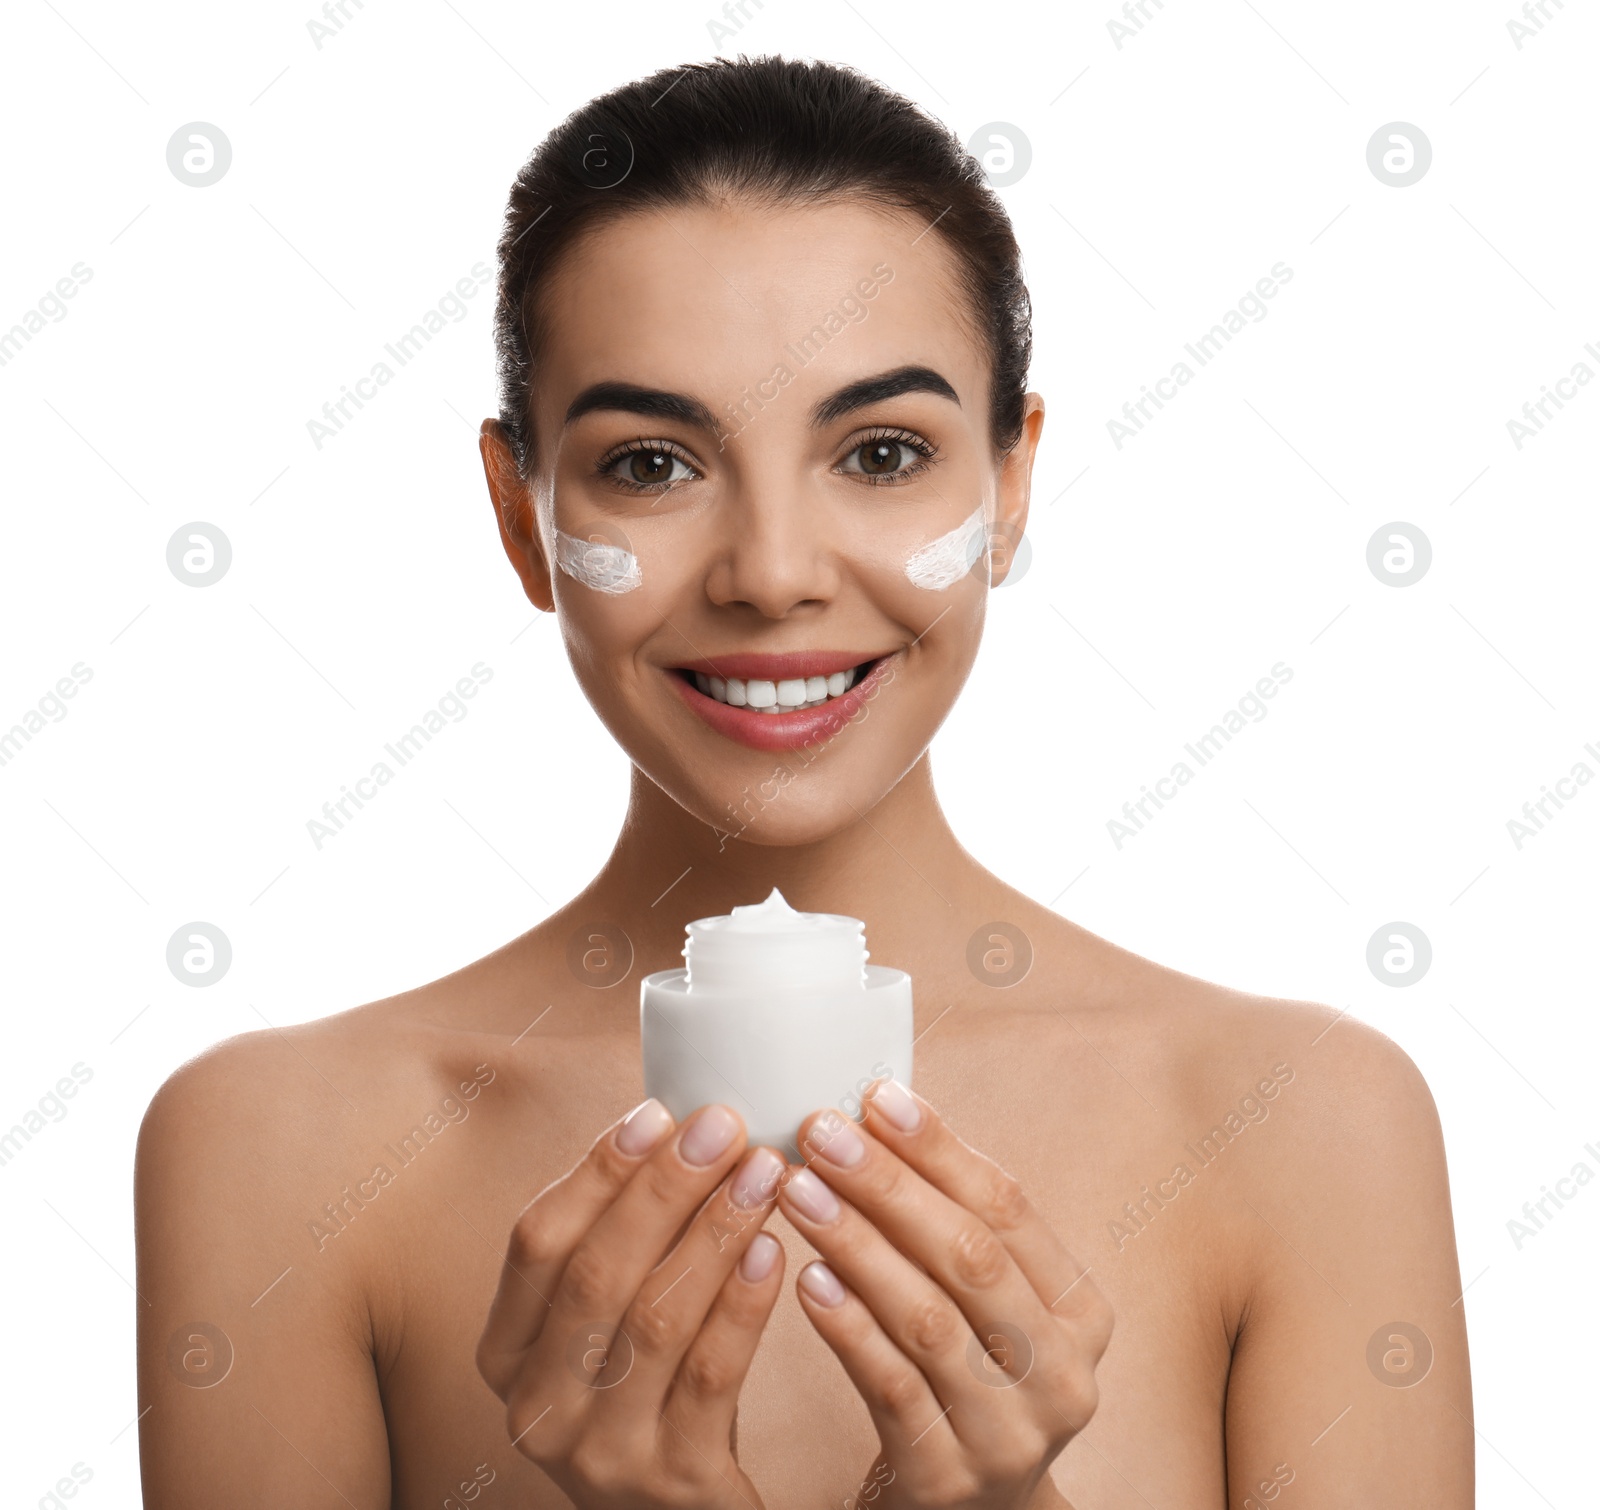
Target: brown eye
(649, 466)
(880, 458)
(891, 457)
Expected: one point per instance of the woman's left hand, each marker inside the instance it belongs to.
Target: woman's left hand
(970, 1331)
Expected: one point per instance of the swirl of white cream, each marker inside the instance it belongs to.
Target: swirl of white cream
(597, 564)
(944, 561)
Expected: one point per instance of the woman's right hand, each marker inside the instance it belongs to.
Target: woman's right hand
(620, 1362)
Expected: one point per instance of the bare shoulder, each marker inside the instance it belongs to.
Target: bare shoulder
(264, 1254)
(308, 1085)
(1300, 1179)
(238, 1143)
(1348, 1091)
(243, 1147)
(321, 1097)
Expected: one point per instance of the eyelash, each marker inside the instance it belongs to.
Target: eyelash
(635, 448)
(908, 439)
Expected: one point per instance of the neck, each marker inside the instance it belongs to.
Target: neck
(898, 867)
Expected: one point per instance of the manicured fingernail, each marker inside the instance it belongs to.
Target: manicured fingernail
(647, 1124)
(757, 1180)
(812, 1197)
(710, 1136)
(821, 1284)
(897, 1104)
(759, 1258)
(839, 1142)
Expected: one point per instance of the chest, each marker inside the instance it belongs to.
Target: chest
(804, 1435)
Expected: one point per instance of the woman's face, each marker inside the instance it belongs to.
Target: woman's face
(763, 456)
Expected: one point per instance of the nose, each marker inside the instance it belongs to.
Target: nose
(777, 553)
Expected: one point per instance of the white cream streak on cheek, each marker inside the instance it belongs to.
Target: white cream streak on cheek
(944, 561)
(602, 567)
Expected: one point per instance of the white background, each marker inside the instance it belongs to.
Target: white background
(1167, 175)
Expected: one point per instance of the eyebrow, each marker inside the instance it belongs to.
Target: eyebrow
(873, 390)
(657, 403)
(654, 403)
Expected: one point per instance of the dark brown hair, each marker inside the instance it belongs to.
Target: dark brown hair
(777, 131)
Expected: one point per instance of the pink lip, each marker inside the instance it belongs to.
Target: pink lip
(781, 731)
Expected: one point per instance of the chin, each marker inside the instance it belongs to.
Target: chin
(781, 824)
(785, 798)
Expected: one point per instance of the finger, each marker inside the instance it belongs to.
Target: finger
(902, 1403)
(705, 1390)
(958, 1251)
(673, 1302)
(632, 1235)
(908, 1125)
(547, 1230)
(916, 1315)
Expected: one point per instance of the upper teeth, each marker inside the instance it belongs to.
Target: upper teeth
(775, 697)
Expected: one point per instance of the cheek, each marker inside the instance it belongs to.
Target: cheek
(949, 557)
(911, 574)
(917, 572)
(605, 607)
(601, 565)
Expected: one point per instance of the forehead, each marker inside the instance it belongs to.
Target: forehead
(712, 299)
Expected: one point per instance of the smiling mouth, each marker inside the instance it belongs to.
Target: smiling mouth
(777, 695)
(781, 701)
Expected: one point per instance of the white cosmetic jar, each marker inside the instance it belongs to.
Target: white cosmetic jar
(777, 1014)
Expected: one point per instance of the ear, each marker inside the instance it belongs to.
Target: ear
(513, 513)
(1016, 481)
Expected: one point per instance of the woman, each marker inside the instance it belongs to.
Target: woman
(763, 345)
